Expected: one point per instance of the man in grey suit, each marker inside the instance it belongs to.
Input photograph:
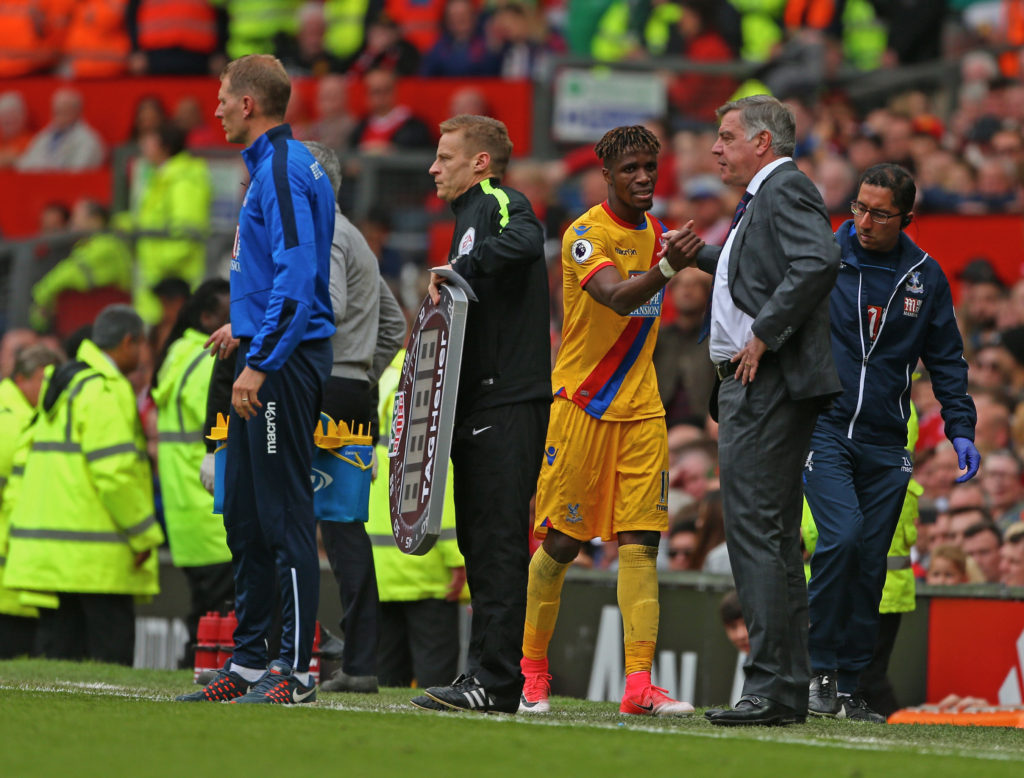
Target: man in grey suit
(769, 330)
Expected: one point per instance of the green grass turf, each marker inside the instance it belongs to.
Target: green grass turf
(61, 718)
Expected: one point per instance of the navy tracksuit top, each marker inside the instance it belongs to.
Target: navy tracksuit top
(877, 342)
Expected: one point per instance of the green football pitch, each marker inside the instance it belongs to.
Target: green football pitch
(67, 719)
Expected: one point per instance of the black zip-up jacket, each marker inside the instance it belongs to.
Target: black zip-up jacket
(498, 247)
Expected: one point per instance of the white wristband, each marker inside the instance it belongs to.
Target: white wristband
(666, 269)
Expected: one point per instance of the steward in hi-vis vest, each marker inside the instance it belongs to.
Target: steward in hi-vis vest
(82, 523)
(18, 396)
(180, 386)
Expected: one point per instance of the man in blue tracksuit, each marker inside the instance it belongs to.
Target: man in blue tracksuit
(281, 314)
(891, 306)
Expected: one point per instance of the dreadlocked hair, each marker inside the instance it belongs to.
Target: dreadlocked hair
(622, 140)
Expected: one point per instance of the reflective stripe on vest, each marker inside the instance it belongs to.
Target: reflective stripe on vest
(90, 456)
(68, 446)
(181, 388)
(71, 399)
(183, 435)
(897, 563)
(109, 451)
(80, 536)
(66, 534)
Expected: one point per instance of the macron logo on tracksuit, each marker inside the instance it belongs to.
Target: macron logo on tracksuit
(271, 416)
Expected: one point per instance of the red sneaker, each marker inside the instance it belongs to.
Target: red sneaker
(653, 701)
(536, 690)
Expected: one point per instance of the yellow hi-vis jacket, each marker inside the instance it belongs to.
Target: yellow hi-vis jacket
(196, 536)
(84, 506)
(176, 200)
(15, 414)
(403, 577)
(99, 260)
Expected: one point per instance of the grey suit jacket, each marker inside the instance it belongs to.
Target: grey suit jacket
(784, 262)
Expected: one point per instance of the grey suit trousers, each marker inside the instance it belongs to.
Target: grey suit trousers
(763, 440)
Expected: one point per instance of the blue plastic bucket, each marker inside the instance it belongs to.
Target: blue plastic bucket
(341, 483)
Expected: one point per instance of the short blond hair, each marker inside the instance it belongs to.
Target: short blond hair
(262, 77)
(482, 133)
(1014, 533)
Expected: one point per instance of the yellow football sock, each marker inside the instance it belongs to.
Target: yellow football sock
(543, 596)
(638, 602)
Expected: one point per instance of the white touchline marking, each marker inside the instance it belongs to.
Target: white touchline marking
(91, 688)
(854, 743)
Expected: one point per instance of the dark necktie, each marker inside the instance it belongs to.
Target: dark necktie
(741, 208)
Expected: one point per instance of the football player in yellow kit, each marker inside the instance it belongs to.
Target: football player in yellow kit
(605, 464)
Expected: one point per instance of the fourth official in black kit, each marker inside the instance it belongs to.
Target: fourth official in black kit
(503, 403)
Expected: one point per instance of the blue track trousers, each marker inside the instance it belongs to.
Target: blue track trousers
(855, 492)
(268, 508)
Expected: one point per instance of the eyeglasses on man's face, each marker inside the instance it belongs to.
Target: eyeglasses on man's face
(878, 217)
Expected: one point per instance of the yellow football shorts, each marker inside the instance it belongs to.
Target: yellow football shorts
(599, 478)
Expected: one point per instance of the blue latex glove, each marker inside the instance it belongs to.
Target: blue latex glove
(968, 456)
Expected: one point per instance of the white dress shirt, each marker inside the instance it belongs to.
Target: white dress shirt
(731, 327)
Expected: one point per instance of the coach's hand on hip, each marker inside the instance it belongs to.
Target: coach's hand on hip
(749, 357)
(244, 392)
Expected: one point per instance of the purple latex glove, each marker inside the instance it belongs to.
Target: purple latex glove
(968, 457)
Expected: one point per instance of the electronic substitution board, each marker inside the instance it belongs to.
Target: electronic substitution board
(423, 418)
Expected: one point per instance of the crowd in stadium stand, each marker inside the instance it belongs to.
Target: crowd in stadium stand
(99, 38)
(965, 160)
(966, 154)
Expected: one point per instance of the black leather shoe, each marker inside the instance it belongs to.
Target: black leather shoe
(755, 711)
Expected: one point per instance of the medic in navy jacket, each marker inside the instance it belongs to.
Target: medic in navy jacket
(282, 252)
(876, 348)
(890, 306)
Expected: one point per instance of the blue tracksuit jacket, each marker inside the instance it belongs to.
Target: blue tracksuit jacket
(280, 266)
(917, 322)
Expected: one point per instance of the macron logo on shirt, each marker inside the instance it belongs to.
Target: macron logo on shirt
(271, 418)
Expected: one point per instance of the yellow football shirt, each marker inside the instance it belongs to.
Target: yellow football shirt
(604, 363)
